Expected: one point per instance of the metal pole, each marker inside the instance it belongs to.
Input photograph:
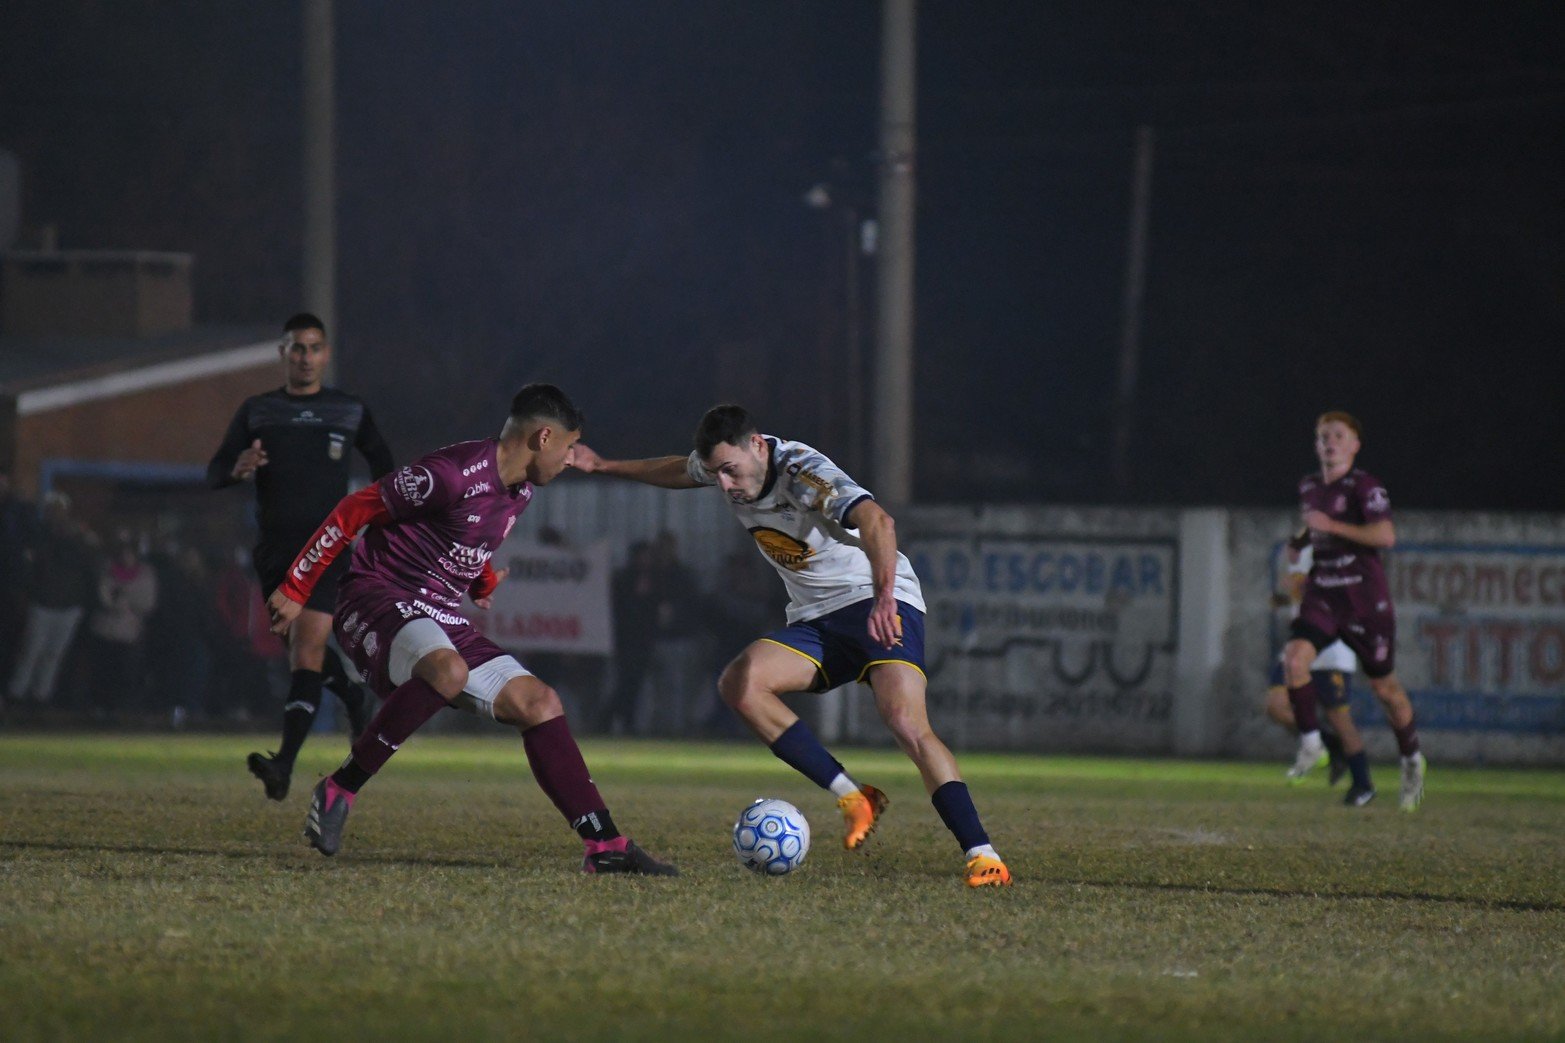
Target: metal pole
(320, 190)
(855, 375)
(893, 403)
(1130, 314)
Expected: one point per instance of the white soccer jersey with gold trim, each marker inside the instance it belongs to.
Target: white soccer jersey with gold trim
(799, 525)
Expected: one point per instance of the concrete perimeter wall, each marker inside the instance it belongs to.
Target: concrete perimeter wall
(1151, 631)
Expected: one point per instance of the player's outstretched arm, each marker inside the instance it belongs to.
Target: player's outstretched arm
(351, 515)
(666, 472)
(878, 533)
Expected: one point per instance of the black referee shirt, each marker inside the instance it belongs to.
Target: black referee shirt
(307, 439)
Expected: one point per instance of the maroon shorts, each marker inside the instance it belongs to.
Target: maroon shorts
(369, 617)
(1365, 622)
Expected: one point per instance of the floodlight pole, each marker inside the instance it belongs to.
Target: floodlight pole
(1130, 309)
(893, 381)
(320, 146)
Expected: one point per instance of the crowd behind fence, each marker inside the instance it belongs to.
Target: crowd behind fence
(154, 626)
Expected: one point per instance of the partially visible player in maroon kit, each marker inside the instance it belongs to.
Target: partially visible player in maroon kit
(432, 528)
(1347, 523)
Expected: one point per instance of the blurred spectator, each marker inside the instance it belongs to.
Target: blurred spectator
(634, 604)
(745, 602)
(179, 635)
(681, 665)
(61, 573)
(127, 594)
(243, 645)
(16, 534)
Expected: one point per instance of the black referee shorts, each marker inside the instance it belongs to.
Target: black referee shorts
(273, 557)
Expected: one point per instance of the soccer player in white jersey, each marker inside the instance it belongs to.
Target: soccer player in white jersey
(855, 613)
(1332, 672)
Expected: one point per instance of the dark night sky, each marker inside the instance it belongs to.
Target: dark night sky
(1354, 208)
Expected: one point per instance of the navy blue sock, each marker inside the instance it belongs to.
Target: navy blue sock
(956, 810)
(802, 751)
(1358, 764)
(1333, 743)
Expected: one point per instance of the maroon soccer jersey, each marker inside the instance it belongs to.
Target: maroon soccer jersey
(450, 513)
(1347, 595)
(1357, 498)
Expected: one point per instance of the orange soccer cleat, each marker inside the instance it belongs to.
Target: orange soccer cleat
(983, 871)
(860, 812)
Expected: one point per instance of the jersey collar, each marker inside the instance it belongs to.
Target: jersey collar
(771, 469)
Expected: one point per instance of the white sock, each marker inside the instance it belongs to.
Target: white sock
(987, 850)
(842, 786)
(1311, 739)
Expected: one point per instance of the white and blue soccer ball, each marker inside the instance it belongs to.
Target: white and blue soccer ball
(771, 837)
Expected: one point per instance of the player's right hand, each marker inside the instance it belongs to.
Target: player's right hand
(250, 460)
(284, 610)
(581, 457)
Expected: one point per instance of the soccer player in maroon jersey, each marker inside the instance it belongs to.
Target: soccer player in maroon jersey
(1347, 523)
(431, 529)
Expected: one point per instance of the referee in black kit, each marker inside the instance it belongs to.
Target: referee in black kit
(294, 442)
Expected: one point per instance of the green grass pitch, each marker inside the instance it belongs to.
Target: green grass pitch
(148, 891)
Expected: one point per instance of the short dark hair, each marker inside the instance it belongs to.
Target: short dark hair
(304, 321)
(726, 423)
(546, 402)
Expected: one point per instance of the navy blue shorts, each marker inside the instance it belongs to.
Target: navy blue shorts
(1330, 685)
(839, 644)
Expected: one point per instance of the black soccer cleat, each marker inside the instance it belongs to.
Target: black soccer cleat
(329, 806)
(1358, 796)
(273, 773)
(621, 855)
(1337, 770)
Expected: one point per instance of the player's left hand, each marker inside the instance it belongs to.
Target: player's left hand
(487, 602)
(284, 610)
(885, 625)
(582, 457)
(1318, 521)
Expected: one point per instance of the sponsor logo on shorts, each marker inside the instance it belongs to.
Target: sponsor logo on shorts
(351, 622)
(414, 484)
(439, 615)
(329, 539)
(371, 643)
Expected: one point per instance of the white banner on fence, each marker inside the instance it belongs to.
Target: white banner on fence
(554, 599)
(1039, 642)
(1481, 635)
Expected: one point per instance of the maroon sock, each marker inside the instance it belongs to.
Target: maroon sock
(403, 713)
(1407, 737)
(1304, 702)
(560, 770)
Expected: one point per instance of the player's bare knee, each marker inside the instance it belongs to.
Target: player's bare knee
(911, 729)
(1297, 657)
(446, 674)
(528, 702)
(733, 682)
